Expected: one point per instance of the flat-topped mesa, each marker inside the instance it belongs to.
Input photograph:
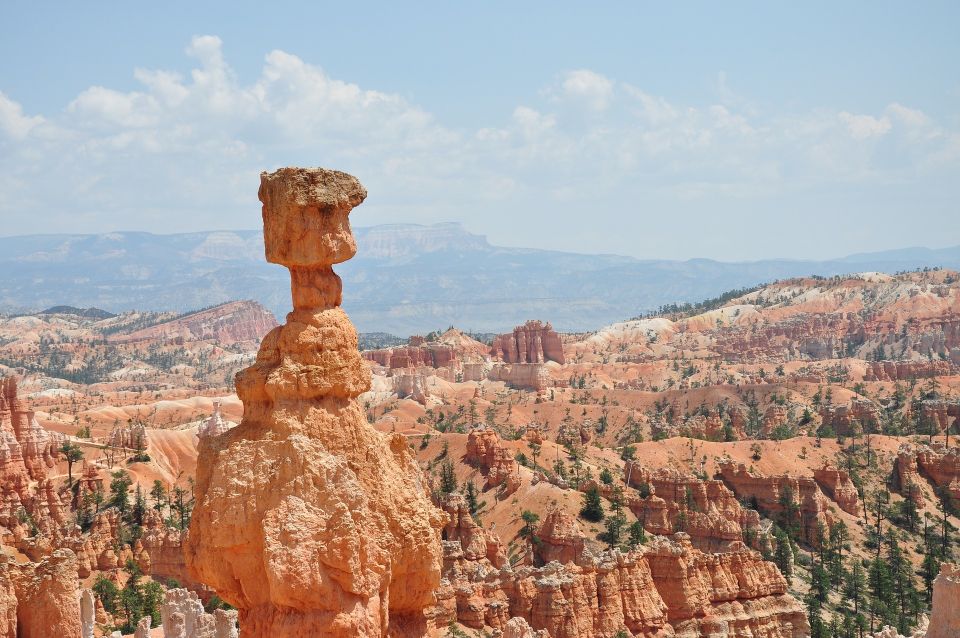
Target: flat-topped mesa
(309, 521)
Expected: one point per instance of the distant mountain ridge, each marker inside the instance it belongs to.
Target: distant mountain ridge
(405, 279)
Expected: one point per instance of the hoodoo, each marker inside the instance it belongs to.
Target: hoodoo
(308, 520)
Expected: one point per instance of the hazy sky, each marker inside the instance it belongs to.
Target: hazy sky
(725, 130)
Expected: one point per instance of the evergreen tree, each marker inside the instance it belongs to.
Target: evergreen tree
(119, 496)
(637, 535)
(72, 453)
(905, 599)
(616, 520)
(139, 507)
(881, 594)
(159, 494)
(783, 554)
(592, 509)
(606, 477)
(448, 480)
(529, 530)
(471, 495)
(855, 587)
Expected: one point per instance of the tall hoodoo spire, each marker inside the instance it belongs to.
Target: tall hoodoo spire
(308, 520)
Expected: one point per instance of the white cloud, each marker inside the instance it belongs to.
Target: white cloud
(862, 127)
(12, 120)
(184, 151)
(594, 89)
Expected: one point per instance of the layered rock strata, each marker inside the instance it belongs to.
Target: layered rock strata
(837, 485)
(935, 462)
(309, 521)
(668, 501)
(667, 588)
(486, 451)
(781, 497)
(533, 342)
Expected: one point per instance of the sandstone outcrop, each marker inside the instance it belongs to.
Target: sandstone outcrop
(215, 425)
(49, 595)
(88, 613)
(666, 589)
(560, 539)
(533, 342)
(182, 616)
(837, 485)
(411, 386)
(486, 451)
(527, 376)
(945, 618)
(475, 542)
(772, 493)
(414, 356)
(8, 599)
(907, 474)
(519, 628)
(842, 417)
(131, 435)
(23, 440)
(938, 414)
(225, 324)
(668, 501)
(906, 370)
(935, 462)
(308, 520)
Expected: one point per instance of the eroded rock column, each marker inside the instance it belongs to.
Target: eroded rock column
(309, 521)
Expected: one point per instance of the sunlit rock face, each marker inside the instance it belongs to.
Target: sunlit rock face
(309, 521)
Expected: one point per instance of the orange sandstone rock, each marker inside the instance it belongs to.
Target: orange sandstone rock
(49, 595)
(945, 618)
(532, 342)
(308, 520)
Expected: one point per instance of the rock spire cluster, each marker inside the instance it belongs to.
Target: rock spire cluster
(309, 521)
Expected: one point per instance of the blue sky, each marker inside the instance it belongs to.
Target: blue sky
(733, 131)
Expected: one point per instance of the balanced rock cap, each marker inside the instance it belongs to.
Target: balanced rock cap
(305, 215)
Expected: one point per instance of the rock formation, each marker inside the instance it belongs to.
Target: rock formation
(49, 595)
(561, 539)
(770, 492)
(485, 450)
(935, 462)
(945, 618)
(665, 589)
(308, 520)
(527, 376)
(841, 417)
(533, 342)
(708, 511)
(22, 440)
(473, 541)
(837, 485)
(131, 435)
(411, 386)
(215, 425)
(906, 370)
(88, 612)
(182, 616)
(8, 599)
(226, 324)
